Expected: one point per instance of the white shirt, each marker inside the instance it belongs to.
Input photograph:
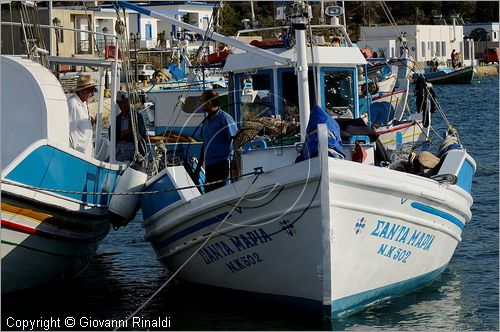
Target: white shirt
(80, 127)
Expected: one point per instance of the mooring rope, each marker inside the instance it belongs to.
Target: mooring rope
(215, 231)
(152, 192)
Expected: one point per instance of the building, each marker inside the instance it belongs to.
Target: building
(148, 31)
(194, 13)
(485, 31)
(424, 41)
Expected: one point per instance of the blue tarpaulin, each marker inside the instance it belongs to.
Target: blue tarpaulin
(177, 74)
(381, 113)
(317, 116)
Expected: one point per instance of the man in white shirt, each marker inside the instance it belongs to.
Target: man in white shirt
(80, 122)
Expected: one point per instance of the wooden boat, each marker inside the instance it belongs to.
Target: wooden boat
(447, 75)
(55, 200)
(321, 231)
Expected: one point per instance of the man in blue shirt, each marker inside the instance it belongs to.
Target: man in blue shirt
(217, 131)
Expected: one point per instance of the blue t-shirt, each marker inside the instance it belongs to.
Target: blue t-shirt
(217, 131)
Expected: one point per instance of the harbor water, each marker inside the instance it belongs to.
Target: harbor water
(125, 272)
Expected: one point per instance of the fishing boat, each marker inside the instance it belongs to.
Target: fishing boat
(389, 112)
(447, 75)
(384, 74)
(55, 200)
(320, 230)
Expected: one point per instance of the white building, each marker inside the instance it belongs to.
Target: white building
(487, 31)
(194, 13)
(424, 41)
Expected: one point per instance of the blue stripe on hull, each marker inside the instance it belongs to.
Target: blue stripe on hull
(50, 168)
(465, 176)
(191, 229)
(354, 303)
(439, 213)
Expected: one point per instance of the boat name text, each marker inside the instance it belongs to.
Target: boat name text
(224, 248)
(403, 234)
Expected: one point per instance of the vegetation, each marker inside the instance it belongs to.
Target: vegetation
(358, 13)
(363, 13)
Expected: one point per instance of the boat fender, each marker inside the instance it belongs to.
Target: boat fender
(123, 208)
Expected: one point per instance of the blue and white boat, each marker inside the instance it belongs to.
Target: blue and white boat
(330, 233)
(55, 200)
(447, 75)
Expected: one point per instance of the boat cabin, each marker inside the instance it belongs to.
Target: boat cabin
(262, 87)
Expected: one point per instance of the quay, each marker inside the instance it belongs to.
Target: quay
(487, 70)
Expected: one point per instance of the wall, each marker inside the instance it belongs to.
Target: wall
(378, 37)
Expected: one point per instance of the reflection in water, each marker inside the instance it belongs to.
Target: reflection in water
(126, 271)
(437, 306)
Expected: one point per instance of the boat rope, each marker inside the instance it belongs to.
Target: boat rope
(11, 29)
(394, 25)
(427, 136)
(398, 31)
(488, 169)
(192, 76)
(152, 192)
(123, 45)
(91, 29)
(209, 237)
(313, 61)
(33, 37)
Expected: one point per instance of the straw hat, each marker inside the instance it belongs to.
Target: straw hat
(85, 81)
(428, 160)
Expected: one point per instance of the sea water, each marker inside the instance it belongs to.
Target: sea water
(125, 272)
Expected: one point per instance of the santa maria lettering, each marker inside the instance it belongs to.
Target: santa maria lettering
(403, 234)
(225, 248)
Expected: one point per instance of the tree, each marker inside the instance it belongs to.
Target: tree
(486, 11)
(231, 20)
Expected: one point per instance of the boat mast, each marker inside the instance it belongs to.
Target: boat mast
(254, 23)
(300, 19)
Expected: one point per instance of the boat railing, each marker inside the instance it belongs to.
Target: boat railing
(314, 27)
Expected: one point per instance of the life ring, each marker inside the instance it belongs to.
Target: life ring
(267, 43)
(215, 57)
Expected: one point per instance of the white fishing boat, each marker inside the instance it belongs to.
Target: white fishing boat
(326, 232)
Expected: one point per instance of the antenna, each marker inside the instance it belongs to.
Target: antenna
(246, 23)
(334, 12)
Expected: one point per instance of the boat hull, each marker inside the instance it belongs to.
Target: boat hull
(458, 76)
(44, 244)
(325, 240)
(409, 131)
(52, 234)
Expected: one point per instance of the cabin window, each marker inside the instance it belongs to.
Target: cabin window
(338, 92)
(423, 50)
(443, 48)
(255, 95)
(438, 48)
(289, 101)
